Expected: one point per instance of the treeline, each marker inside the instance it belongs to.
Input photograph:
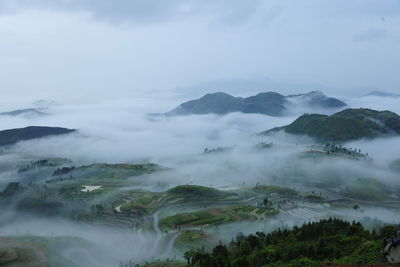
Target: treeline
(330, 240)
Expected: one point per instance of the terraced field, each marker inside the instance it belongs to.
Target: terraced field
(215, 216)
(185, 216)
(150, 201)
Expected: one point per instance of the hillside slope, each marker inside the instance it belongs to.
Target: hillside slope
(349, 124)
(329, 240)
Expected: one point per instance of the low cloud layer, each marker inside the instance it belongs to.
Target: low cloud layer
(122, 131)
(142, 11)
(125, 130)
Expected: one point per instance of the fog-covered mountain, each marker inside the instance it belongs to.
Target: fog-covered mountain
(12, 136)
(383, 94)
(25, 112)
(268, 103)
(349, 124)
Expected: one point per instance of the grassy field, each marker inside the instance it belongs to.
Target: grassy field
(193, 239)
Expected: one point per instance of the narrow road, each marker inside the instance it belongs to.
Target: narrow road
(158, 237)
(170, 245)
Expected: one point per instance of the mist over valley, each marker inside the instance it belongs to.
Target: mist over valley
(199, 133)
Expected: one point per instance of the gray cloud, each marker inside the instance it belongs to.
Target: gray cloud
(142, 11)
(371, 34)
(225, 11)
(84, 50)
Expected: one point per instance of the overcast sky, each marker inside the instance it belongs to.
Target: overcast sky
(94, 49)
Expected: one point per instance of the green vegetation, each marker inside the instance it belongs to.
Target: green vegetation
(215, 216)
(12, 136)
(334, 150)
(167, 263)
(193, 239)
(349, 124)
(263, 145)
(368, 189)
(195, 194)
(49, 162)
(367, 253)
(196, 191)
(11, 189)
(269, 103)
(111, 171)
(330, 240)
(269, 189)
(217, 150)
(144, 201)
(62, 193)
(314, 197)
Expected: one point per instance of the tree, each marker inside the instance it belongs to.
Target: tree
(267, 203)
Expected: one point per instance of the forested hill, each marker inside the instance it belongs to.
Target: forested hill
(349, 124)
(12, 136)
(268, 103)
(330, 240)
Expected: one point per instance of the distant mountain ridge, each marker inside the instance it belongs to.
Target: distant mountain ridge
(267, 103)
(349, 124)
(27, 111)
(12, 136)
(383, 94)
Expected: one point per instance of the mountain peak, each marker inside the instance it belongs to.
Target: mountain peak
(217, 95)
(267, 103)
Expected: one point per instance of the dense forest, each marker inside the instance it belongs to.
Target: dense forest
(330, 240)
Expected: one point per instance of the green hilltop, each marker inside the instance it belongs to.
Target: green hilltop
(12, 136)
(346, 125)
